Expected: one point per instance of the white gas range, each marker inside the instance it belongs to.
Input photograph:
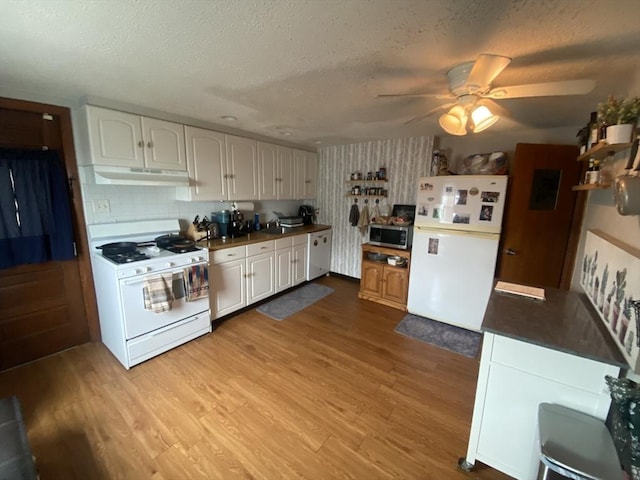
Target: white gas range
(130, 329)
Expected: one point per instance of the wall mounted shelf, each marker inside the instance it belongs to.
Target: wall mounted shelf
(601, 150)
(592, 186)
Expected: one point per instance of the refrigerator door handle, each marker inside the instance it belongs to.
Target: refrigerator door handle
(462, 233)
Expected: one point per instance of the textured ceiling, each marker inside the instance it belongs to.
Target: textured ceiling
(313, 68)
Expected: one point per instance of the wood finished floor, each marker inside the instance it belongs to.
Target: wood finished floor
(329, 393)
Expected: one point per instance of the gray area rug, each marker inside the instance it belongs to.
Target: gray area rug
(455, 339)
(292, 302)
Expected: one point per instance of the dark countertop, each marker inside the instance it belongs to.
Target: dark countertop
(259, 236)
(565, 321)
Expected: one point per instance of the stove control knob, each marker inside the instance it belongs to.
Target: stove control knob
(139, 271)
(170, 264)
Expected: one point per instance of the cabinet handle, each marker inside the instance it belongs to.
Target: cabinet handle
(140, 143)
(324, 239)
(150, 144)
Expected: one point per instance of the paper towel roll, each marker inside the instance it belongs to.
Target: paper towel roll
(243, 206)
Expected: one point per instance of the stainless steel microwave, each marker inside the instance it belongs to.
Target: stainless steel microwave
(393, 236)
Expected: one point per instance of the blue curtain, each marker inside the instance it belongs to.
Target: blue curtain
(35, 213)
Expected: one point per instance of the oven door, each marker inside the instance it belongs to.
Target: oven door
(138, 320)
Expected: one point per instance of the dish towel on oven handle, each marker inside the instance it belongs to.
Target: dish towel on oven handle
(196, 282)
(158, 293)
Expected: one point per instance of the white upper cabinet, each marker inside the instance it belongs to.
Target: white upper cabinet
(126, 140)
(275, 178)
(164, 144)
(242, 168)
(206, 164)
(285, 173)
(268, 177)
(305, 174)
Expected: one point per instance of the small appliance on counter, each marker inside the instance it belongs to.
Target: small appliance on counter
(308, 214)
(396, 234)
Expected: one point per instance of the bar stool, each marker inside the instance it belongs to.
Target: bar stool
(575, 445)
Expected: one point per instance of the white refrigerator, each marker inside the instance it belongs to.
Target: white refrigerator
(455, 245)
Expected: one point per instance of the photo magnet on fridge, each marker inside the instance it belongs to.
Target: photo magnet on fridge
(486, 213)
(433, 246)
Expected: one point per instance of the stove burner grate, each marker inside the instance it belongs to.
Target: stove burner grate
(127, 257)
(185, 249)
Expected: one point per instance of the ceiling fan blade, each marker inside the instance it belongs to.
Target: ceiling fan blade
(419, 118)
(438, 96)
(485, 69)
(549, 89)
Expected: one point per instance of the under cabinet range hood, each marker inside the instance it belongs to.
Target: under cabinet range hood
(109, 175)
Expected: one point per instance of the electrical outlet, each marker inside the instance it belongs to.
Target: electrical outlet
(101, 206)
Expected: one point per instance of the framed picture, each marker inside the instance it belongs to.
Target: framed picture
(609, 277)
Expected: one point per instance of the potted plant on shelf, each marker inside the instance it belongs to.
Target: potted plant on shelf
(620, 115)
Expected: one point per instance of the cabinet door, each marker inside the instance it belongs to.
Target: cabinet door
(164, 144)
(228, 289)
(311, 175)
(260, 277)
(371, 278)
(268, 179)
(115, 138)
(284, 269)
(299, 263)
(242, 168)
(206, 164)
(285, 173)
(395, 284)
(299, 173)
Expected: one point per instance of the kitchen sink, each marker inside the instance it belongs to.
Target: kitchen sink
(276, 230)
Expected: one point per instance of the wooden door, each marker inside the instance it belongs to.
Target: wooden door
(395, 284)
(371, 279)
(206, 164)
(115, 138)
(48, 307)
(539, 216)
(164, 144)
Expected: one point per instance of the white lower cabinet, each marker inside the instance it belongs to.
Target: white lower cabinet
(299, 259)
(241, 276)
(514, 378)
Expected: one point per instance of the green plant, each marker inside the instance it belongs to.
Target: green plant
(619, 111)
(621, 281)
(626, 308)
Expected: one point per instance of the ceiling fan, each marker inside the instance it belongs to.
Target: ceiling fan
(470, 85)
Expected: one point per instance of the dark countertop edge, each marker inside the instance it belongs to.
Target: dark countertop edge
(616, 363)
(612, 355)
(257, 237)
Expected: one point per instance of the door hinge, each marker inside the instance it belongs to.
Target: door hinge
(75, 249)
(47, 116)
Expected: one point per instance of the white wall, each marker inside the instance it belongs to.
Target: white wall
(405, 159)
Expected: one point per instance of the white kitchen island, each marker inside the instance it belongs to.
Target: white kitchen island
(554, 351)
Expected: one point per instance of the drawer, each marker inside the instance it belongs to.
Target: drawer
(227, 254)
(565, 368)
(159, 341)
(285, 242)
(301, 239)
(262, 247)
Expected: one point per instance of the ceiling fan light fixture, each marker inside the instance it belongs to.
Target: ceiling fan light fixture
(482, 119)
(455, 121)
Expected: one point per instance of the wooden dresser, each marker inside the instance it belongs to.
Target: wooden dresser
(384, 283)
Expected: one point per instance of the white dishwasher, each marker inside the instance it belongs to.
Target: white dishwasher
(319, 254)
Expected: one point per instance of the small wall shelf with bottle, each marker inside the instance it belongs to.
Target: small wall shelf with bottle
(591, 186)
(602, 149)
